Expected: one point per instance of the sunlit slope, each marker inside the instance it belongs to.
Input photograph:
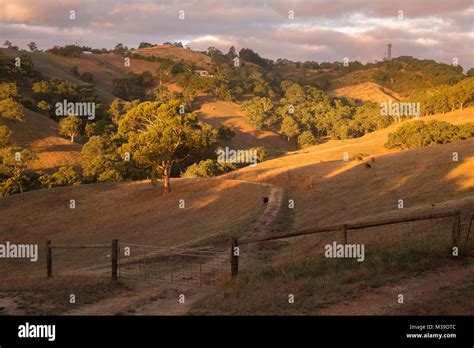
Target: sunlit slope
(367, 91)
(40, 134)
(219, 113)
(328, 190)
(52, 66)
(131, 212)
(199, 59)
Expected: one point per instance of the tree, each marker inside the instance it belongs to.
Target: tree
(75, 71)
(289, 128)
(259, 112)
(306, 139)
(44, 106)
(205, 169)
(144, 45)
(160, 137)
(70, 126)
(120, 49)
(5, 134)
(32, 46)
(12, 110)
(99, 159)
(226, 131)
(86, 77)
(65, 176)
(14, 163)
(10, 45)
(470, 72)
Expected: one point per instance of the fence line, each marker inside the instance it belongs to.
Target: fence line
(351, 226)
(443, 227)
(198, 266)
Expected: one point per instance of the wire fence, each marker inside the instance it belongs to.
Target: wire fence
(431, 235)
(187, 266)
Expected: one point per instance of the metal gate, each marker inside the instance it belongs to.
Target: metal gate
(188, 266)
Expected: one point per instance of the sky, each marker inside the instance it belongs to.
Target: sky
(316, 30)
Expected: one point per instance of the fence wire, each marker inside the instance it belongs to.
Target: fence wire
(198, 267)
(431, 237)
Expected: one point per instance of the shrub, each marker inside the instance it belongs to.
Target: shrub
(306, 139)
(205, 169)
(65, 176)
(419, 134)
(86, 77)
(226, 132)
(360, 156)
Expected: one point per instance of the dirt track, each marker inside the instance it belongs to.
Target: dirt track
(162, 299)
(447, 291)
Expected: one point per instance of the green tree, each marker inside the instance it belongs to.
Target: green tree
(70, 126)
(5, 134)
(259, 112)
(14, 164)
(44, 106)
(65, 176)
(12, 110)
(86, 77)
(100, 158)
(205, 169)
(306, 139)
(159, 137)
(32, 46)
(289, 128)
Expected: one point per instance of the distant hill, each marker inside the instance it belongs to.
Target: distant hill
(177, 53)
(403, 75)
(366, 91)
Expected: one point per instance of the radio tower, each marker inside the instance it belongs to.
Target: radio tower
(389, 51)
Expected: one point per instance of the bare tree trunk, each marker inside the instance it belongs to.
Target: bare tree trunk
(72, 138)
(166, 178)
(21, 192)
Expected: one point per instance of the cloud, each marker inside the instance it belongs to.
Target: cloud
(321, 30)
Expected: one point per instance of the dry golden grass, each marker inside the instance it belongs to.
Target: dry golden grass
(367, 91)
(40, 134)
(41, 296)
(328, 190)
(219, 113)
(131, 212)
(175, 53)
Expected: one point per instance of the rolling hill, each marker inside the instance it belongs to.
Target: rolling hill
(366, 91)
(40, 134)
(177, 53)
(218, 113)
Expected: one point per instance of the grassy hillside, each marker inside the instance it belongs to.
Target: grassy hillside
(329, 191)
(367, 91)
(219, 113)
(40, 134)
(132, 212)
(176, 54)
(322, 183)
(53, 66)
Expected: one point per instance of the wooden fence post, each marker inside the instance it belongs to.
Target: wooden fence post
(49, 259)
(234, 258)
(344, 233)
(456, 232)
(114, 257)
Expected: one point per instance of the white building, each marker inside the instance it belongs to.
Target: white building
(203, 73)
